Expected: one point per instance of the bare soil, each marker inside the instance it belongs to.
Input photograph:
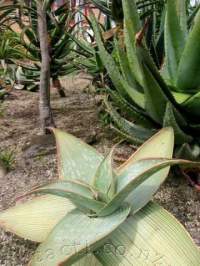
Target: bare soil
(35, 160)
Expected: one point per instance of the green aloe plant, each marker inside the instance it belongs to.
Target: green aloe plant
(152, 97)
(60, 28)
(98, 215)
(10, 50)
(88, 59)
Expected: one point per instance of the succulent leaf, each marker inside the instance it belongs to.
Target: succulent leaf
(81, 195)
(181, 97)
(170, 120)
(124, 64)
(76, 159)
(188, 78)
(147, 60)
(75, 236)
(174, 40)
(34, 219)
(138, 133)
(192, 104)
(121, 85)
(181, 11)
(151, 236)
(156, 100)
(105, 179)
(138, 116)
(126, 136)
(131, 27)
(87, 260)
(160, 145)
(133, 177)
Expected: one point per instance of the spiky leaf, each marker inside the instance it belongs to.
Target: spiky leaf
(155, 98)
(174, 41)
(137, 133)
(188, 78)
(170, 120)
(121, 84)
(131, 27)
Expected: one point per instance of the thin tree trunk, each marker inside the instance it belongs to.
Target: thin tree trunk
(46, 117)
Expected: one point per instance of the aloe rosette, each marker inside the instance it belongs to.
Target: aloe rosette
(150, 97)
(61, 46)
(97, 215)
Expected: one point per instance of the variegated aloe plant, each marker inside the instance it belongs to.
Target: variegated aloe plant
(150, 97)
(98, 215)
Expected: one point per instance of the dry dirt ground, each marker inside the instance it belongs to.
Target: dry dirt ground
(35, 160)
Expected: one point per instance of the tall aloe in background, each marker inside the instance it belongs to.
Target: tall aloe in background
(59, 25)
(153, 10)
(153, 97)
(10, 50)
(101, 213)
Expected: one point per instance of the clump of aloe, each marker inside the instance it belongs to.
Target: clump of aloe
(97, 215)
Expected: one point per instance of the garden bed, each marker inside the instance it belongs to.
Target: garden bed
(35, 159)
